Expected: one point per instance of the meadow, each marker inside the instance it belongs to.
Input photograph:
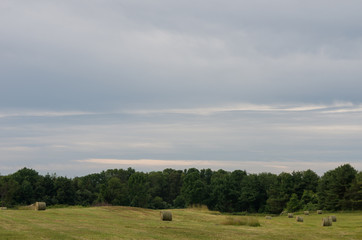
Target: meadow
(110, 222)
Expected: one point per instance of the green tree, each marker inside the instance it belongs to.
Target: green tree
(65, 192)
(267, 181)
(293, 204)
(173, 181)
(138, 190)
(333, 187)
(194, 190)
(157, 184)
(8, 189)
(27, 179)
(251, 197)
(220, 199)
(354, 194)
(88, 188)
(116, 192)
(310, 180)
(309, 201)
(280, 193)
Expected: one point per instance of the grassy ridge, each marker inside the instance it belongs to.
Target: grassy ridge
(137, 223)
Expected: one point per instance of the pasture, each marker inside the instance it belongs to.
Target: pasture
(138, 223)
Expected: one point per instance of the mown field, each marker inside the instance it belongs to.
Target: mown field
(137, 223)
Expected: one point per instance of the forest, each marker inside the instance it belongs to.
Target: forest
(224, 191)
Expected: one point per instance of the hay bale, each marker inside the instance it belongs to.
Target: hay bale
(4, 208)
(333, 218)
(40, 206)
(268, 217)
(319, 211)
(299, 219)
(290, 215)
(306, 212)
(166, 216)
(326, 222)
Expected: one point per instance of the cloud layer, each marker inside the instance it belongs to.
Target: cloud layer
(247, 136)
(106, 54)
(237, 81)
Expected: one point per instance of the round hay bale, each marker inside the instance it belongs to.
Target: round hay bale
(333, 218)
(268, 217)
(290, 215)
(4, 208)
(319, 211)
(326, 222)
(166, 216)
(299, 219)
(40, 206)
(306, 212)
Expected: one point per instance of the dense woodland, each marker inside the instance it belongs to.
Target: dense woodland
(237, 191)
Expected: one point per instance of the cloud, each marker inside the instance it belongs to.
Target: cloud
(330, 129)
(191, 80)
(332, 108)
(119, 55)
(150, 162)
(27, 113)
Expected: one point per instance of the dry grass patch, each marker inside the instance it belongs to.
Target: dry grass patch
(29, 207)
(242, 220)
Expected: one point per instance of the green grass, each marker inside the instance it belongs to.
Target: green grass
(137, 223)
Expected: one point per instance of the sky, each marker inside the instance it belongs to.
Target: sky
(262, 86)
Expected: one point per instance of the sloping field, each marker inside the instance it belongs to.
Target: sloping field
(137, 223)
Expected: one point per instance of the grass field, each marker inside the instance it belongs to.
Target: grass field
(137, 223)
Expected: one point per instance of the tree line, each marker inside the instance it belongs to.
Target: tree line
(236, 191)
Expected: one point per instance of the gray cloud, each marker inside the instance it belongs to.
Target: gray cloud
(165, 80)
(98, 55)
(181, 138)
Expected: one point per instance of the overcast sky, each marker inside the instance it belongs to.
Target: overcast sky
(261, 85)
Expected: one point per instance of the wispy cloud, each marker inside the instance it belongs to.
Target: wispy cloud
(351, 109)
(245, 107)
(151, 162)
(17, 149)
(27, 113)
(326, 129)
(343, 107)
